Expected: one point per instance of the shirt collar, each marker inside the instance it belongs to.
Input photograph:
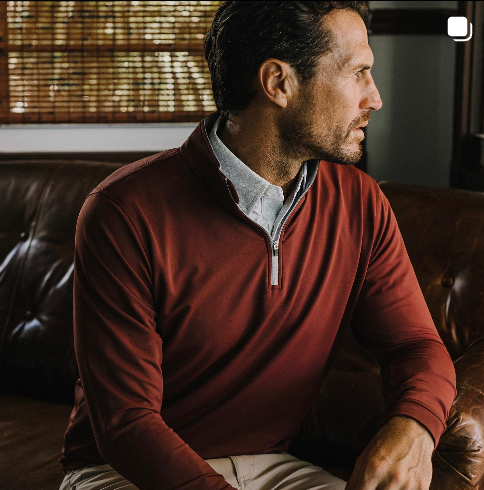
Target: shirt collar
(249, 185)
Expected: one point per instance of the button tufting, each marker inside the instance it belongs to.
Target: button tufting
(23, 236)
(447, 281)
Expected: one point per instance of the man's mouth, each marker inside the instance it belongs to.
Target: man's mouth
(359, 129)
(364, 122)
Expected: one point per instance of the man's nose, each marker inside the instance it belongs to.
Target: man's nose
(373, 100)
(377, 102)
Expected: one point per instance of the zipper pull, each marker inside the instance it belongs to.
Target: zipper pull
(275, 264)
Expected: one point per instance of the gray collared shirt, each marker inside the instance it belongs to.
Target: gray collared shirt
(259, 200)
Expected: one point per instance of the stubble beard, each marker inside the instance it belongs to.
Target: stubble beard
(298, 139)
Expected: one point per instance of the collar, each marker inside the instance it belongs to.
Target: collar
(250, 186)
(201, 160)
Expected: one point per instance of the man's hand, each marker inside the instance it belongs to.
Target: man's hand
(399, 457)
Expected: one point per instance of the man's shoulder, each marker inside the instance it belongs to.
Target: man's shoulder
(348, 179)
(140, 172)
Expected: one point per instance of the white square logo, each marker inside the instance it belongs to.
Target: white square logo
(457, 26)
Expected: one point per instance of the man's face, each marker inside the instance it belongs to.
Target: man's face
(322, 121)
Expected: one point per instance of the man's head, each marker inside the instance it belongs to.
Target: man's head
(296, 58)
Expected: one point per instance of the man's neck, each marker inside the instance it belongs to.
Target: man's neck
(258, 146)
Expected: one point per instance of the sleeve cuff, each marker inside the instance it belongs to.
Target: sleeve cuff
(421, 414)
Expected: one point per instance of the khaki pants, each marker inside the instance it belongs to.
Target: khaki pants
(251, 472)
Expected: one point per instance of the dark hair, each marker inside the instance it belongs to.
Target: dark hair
(246, 33)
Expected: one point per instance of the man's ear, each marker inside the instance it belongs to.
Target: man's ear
(277, 81)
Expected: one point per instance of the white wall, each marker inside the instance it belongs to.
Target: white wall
(92, 137)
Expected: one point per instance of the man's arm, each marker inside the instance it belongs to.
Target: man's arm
(393, 320)
(119, 355)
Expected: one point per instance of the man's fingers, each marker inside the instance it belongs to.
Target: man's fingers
(364, 477)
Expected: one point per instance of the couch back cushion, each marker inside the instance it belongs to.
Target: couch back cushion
(40, 202)
(443, 231)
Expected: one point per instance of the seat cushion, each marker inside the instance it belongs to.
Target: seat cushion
(31, 437)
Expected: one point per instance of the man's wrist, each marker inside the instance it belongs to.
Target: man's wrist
(409, 427)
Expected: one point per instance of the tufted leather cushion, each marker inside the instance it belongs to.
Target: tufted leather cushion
(40, 202)
(444, 235)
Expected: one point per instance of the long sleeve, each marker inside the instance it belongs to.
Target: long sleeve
(393, 320)
(119, 355)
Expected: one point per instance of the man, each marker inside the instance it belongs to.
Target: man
(211, 280)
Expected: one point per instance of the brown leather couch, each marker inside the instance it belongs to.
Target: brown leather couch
(39, 204)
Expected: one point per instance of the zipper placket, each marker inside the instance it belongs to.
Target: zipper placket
(274, 242)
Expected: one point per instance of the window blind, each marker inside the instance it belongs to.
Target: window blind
(104, 62)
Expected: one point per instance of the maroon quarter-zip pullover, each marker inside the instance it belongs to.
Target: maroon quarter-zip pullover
(185, 349)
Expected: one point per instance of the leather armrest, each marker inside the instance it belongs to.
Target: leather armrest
(459, 458)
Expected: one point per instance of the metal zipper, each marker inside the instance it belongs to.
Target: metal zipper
(274, 247)
(275, 264)
(274, 242)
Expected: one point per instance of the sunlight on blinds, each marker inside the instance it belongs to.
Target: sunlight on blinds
(118, 61)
